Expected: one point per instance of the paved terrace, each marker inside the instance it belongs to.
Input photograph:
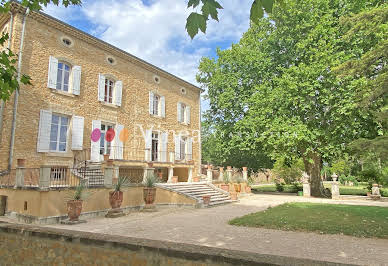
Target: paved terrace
(208, 227)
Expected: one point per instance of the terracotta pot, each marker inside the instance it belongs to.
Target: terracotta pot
(229, 167)
(221, 169)
(109, 162)
(237, 187)
(21, 162)
(206, 199)
(106, 157)
(196, 179)
(149, 195)
(160, 175)
(248, 189)
(174, 179)
(233, 195)
(115, 199)
(245, 169)
(74, 208)
(209, 167)
(225, 187)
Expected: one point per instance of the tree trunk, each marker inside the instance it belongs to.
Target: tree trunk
(312, 164)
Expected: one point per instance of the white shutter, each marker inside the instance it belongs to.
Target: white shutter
(118, 92)
(179, 111)
(77, 133)
(151, 102)
(189, 151)
(163, 106)
(101, 87)
(148, 145)
(76, 73)
(95, 146)
(119, 145)
(43, 144)
(164, 139)
(177, 147)
(188, 114)
(52, 73)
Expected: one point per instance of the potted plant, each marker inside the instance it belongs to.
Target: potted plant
(116, 196)
(149, 191)
(74, 205)
(237, 187)
(225, 186)
(206, 199)
(106, 157)
(233, 195)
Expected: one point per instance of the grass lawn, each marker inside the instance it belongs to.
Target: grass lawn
(359, 221)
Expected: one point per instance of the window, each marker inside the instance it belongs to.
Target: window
(58, 133)
(155, 144)
(183, 148)
(63, 76)
(109, 86)
(66, 41)
(183, 113)
(105, 146)
(156, 103)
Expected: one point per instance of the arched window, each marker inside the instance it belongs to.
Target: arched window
(63, 76)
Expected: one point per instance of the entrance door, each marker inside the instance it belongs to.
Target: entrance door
(105, 146)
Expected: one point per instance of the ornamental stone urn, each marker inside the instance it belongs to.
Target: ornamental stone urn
(74, 208)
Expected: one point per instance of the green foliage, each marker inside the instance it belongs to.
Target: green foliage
(150, 180)
(343, 179)
(371, 175)
(198, 20)
(121, 181)
(226, 178)
(288, 171)
(279, 187)
(237, 178)
(341, 167)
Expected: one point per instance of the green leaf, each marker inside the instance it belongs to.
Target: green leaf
(193, 3)
(194, 22)
(256, 11)
(267, 4)
(210, 8)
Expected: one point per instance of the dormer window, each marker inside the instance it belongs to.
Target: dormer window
(63, 76)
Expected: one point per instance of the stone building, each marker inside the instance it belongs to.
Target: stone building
(89, 99)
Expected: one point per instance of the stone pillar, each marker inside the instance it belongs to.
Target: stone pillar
(375, 192)
(44, 177)
(170, 174)
(221, 177)
(306, 189)
(335, 193)
(19, 181)
(172, 157)
(108, 176)
(209, 173)
(245, 173)
(190, 175)
(148, 171)
(229, 172)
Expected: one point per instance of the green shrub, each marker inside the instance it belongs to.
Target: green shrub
(279, 187)
(288, 171)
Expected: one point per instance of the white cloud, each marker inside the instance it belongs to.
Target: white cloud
(156, 31)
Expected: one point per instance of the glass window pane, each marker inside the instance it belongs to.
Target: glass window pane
(60, 65)
(62, 146)
(65, 88)
(59, 80)
(53, 146)
(67, 68)
(54, 132)
(63, 134)
(66, 78)
(102, 140)
(54, 119)
(64, 120)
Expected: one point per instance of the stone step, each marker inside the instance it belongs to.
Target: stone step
(194, 190)
(207, 193)
(218, 203)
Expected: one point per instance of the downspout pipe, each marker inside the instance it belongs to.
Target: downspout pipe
(2, 104)
(15, 105)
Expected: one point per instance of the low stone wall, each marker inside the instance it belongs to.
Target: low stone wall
(32, 245)
(35, 206)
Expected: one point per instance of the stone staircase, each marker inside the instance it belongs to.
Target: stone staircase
(92, 173)
(197, 190)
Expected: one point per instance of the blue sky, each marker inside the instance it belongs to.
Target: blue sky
(154, 30)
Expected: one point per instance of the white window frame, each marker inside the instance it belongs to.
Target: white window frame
(156, 101)
(59, 125)
(155, 136)
(183, 147)
(109, 89)
(183, 107)
(69, 86)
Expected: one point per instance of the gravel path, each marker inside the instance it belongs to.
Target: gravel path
(209, 227)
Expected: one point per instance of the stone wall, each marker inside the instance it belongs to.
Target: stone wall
(42, 40)
(27, 245)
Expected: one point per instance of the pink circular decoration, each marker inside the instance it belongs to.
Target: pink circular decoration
(110, 135)
(96, 135)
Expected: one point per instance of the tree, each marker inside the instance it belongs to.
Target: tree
(9, 78)
(279, 82)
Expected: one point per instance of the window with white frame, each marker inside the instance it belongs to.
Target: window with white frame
(183, 143)
(183, 112)
(155, 146)
(109, 87)
(58, 133)
(156, 104)
(63, 76)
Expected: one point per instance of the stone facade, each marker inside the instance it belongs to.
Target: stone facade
(44, 38)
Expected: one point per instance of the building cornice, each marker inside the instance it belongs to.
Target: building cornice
(68, 29)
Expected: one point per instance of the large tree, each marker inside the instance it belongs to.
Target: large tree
(278, 87)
